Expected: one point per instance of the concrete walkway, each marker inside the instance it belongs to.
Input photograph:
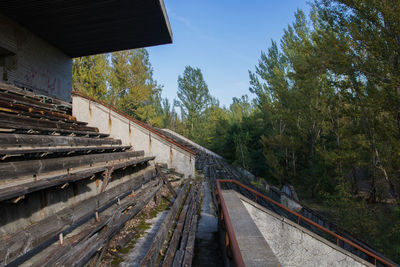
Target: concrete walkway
(255, 250)
(207, 249)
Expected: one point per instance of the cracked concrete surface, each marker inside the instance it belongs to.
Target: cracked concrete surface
(253, 247)
(294, 245)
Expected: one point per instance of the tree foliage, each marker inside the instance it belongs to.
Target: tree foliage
(326, 115)
(193, 98)
(125, 80)
(90, 75)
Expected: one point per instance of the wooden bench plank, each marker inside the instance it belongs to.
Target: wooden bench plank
(35, 122)
(166, 182)
(27, 129)
(17, 244)
(152, 254)
(174, 242)
(29, 187)
(11, 140)
(13, 170)
(25, 109)
(75, 149)
(118, 220)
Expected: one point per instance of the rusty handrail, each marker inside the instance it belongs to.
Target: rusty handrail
(299, 216)
(237, 255)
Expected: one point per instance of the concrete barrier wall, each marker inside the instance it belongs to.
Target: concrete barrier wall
(296, 246)
(133, 134)
(27, 60)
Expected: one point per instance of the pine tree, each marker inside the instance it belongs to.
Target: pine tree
(90, 75)
(132, 87)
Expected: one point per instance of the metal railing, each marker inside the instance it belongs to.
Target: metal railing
(231, 241)
(300, 217)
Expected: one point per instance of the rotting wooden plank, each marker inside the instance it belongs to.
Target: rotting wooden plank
(75, 149)
(35, 122)
(106, 177)
(48, 258)
(191, 212)
(5, 87)
(17, 244)
(151, 256)
(43, 117)
(29, 187)
(117, 221)
(34, 111)
(189, 251)
(178, 258)
(11, 95)
(11, 140)
(28, 128)
(18, 169)
(34, 108)
(165, 179)
(27, 101)
(173, 244)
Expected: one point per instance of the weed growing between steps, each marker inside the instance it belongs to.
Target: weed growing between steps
(171, 232)
(125, 241)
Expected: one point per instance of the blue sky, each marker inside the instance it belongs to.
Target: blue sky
(223, 38)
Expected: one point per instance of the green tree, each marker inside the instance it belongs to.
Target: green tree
(193, 98)
(132, 87)
(90, 75)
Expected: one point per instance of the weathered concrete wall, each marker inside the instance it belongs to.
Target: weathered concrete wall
(130, 133)
(295, 245)
(253, 247)
(193, 143)
(41, 204)
(27, 60)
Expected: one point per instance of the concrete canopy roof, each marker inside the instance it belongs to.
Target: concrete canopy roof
(80, 28)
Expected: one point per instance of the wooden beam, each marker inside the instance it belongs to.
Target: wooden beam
(35, 122)
(106, 177)
(87, 173)
(39, 167)
(48, 150)
(17, 244)
(152, 254)
(12, 140)
(26, 101)
(37, 112)
(166, 182)
(189, 251)
(82, 255)
(29, 128)
(174, 242)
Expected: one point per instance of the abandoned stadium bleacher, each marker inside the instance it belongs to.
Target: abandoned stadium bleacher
(55, 176)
